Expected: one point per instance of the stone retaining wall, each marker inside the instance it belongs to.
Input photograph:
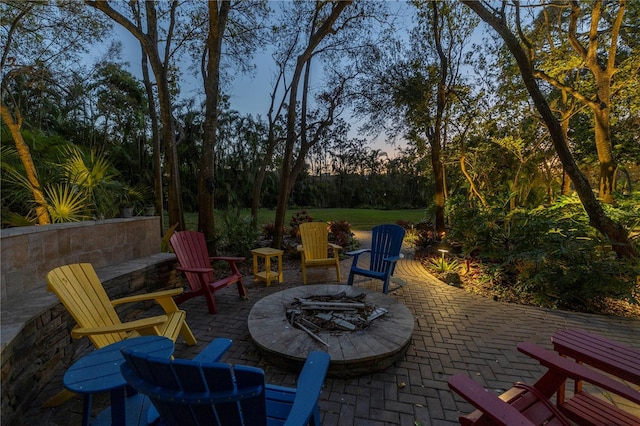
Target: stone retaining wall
(36, 344)
(29, 252)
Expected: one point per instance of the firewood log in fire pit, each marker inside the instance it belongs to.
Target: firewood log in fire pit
(333, 313)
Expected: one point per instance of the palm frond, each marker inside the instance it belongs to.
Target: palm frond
(66, 204)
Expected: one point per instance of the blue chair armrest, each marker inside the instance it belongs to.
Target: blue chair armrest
(393, 258)
(308, 388)
(214, 350)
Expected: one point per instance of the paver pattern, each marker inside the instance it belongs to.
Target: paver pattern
(454, 332)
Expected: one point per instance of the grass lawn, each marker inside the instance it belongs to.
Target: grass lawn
(360, 219)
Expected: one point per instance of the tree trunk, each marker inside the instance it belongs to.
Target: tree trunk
(14, 126)
(287, 159)
(566, 180)
(262, 172)
(606, 184)
(438, 176)
(602, 74)
(174, 207)
(157, 146)
(272, 142)
(436, 140)
(597, 217)
(206, 176)
(473, 190)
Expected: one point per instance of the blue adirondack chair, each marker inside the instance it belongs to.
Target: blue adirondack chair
(188, 392)
(386, 242)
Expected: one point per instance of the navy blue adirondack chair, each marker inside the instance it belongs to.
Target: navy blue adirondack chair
(386, 242)
(189, 392)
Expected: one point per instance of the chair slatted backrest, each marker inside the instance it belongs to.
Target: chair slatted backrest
(193, 393)
(386, 241)
(190, 248)
(82, 294)
(315, 240)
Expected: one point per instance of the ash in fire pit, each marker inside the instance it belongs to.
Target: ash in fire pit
(335, 313)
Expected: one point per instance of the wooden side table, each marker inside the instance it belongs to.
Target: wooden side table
(267, 275)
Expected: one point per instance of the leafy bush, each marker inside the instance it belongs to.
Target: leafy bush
(237, 237)
(296, 220)
(443, 265)
(340, 234)
(426, 237)
(405, 224)
(550, 254)
(66, 204)
(269, 230)
(78, 184)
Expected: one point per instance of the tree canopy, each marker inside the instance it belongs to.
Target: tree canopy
(540, 104)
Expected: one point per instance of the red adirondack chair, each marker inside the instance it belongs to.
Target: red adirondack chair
(532, 405)
(191, 250)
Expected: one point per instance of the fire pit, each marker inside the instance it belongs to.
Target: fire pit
(363, 331)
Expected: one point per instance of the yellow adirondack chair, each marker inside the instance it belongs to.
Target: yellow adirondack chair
(82, 294)
(315, 248)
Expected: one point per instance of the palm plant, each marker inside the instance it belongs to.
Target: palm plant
(95, 177)
(16, 191)
(77, 186)
(66, 204)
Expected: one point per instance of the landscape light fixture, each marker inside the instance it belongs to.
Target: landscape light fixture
(443, 251)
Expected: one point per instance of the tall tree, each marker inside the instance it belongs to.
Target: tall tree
(579, 53)
(14, 122)
(156, 142)
(218, 16)
(437, 24)
(160, 57)
(325, 23)
(497, 18)
(420, 86)
(319, 25)
(274, 137)
(444, 31)
(303, 113)
(243, 17)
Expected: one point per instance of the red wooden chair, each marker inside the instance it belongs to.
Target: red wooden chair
(531, 404)
(191, 250)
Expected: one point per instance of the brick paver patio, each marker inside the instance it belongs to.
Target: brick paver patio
(454, 332)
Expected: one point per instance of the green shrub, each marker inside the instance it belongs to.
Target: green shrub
(550, 254)
(426, 237)
(340, 234)
(237, 237)
(443, 265)
(297, 219)
(269, 230)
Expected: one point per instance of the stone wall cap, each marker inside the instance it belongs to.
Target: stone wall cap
(25, 230)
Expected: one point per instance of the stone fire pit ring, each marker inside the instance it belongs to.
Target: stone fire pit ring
(352, 353)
